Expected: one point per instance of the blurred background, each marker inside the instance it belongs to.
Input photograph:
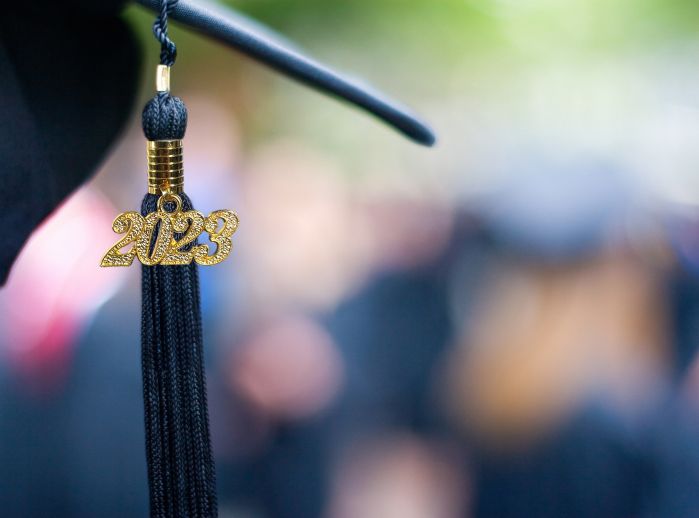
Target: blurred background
(504, 325)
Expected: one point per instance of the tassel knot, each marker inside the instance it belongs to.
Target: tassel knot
(165, 118)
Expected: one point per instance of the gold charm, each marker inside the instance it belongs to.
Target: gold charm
(154, 237)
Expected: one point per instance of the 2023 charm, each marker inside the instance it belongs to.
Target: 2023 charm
(155, 241)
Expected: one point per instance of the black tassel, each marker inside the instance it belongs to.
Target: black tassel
(181, 473)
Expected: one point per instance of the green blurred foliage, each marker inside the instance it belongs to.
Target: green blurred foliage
(563, 73)
(482, 25)
(431, 41)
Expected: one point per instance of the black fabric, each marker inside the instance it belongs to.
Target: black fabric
(68, 77)
(181, 474)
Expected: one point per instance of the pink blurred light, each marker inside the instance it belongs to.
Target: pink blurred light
(399, 476)
(56, 285)
(291, 368)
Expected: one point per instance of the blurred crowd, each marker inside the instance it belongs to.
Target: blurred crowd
(504, 326)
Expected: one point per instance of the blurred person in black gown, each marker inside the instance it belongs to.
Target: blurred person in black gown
(563, 335)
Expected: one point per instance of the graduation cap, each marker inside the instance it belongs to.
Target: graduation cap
(68, 78)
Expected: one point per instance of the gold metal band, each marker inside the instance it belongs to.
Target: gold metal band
(162, 78)
(165, 169)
